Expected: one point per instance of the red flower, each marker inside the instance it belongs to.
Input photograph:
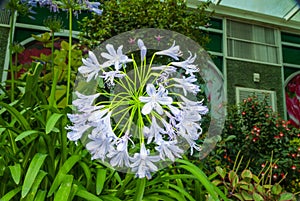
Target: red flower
(275, 176)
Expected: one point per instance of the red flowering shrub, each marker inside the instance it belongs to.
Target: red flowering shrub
(259, 134)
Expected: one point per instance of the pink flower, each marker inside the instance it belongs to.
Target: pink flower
(293, 108)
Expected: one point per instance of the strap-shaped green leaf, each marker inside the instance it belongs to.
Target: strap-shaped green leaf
(41, 195)
(15, 113)
(87, 195)
(32, 172)
(67, 166)
(8, 196)
(100, 180)
(15, 172)
(25, 134)
(35, 186)
(199, 174)
(52, 121)
(140, 188)
(64, 190)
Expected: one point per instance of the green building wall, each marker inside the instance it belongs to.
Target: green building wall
(240, 74)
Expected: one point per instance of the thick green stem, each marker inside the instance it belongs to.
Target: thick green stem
(55, 73)
(52, 52)
(12, 73)
(69, 56)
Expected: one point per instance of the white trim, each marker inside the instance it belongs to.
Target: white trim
(217, 2)
(278, 38)
(211, 29)
(291, 44)
(30, 39)
(289, 15)
(291, 65)
(273, 99)
(252, 41)
(215, 53)
(253, 61)
(4, 25)
(43, 28)
(290, 77)
(6, 61)
(224, 40)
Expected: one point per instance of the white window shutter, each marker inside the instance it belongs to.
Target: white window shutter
(243, 93)
(4, 17)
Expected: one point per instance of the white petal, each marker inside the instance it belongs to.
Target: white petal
(111, 50)
(165, 100)
(147, 108)
(150, 89)
(93, 58)
(144, 99)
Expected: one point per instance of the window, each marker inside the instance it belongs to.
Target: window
(243, 93)
(4, 17)
(252, 42)
(290, 48)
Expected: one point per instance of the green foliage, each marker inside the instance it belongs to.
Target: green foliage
(256, 131)
(244, 185)
(128, 15)
(37, 162)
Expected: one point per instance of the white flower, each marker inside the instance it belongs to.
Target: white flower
(166, 69)
(116, 58)
(143, 163)
(76, 131)
(189, 123)
(155, 100)
(188, 65)
(169, 128)
(84, 102)
(97, 115)
(119, 156)
(91, 67)
(195, 105)
(143, 49)
(102, 138)
(110, 76)
(99, 146)
(169, 149)
(173, 52)
(187, 84)
(155, 131)
(103, 127)
(191, 141)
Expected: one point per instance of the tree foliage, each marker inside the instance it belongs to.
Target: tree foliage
(127, 15)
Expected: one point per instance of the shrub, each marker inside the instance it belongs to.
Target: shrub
(255, 130)
(248, 186)
(128, 15)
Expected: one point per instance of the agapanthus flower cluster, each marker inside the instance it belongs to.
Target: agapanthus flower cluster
(145, 115)
(76, 5)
